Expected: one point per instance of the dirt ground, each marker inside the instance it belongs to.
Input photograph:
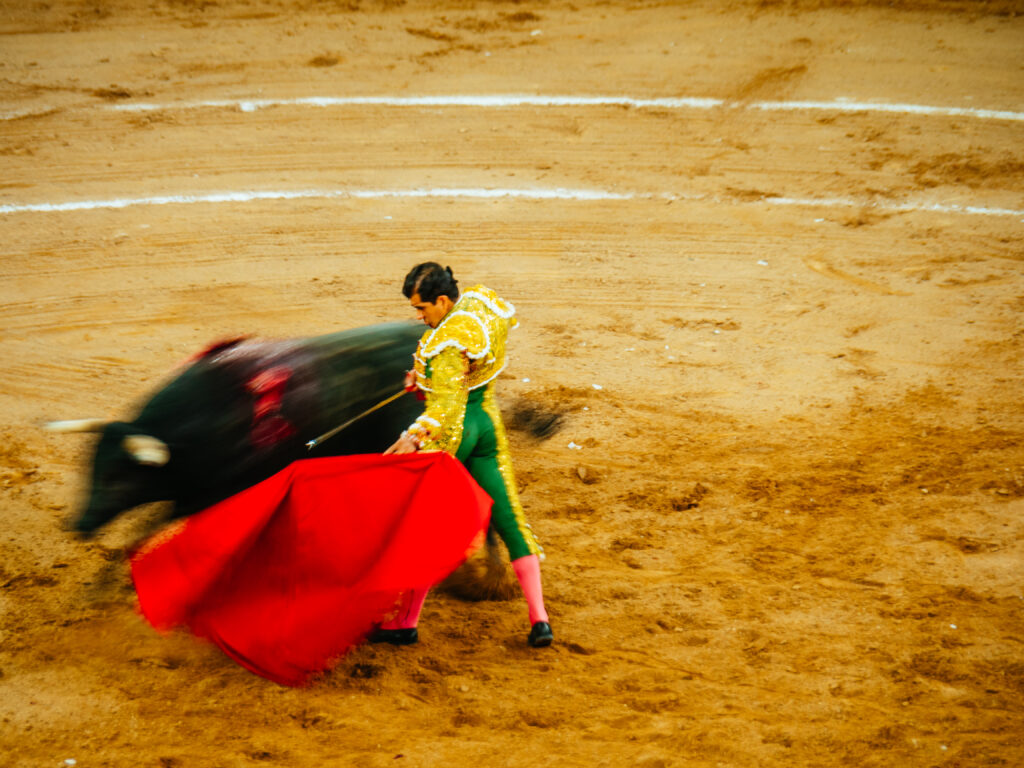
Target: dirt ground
(783, 515)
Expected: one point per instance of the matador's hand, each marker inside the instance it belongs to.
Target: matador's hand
(404, 444)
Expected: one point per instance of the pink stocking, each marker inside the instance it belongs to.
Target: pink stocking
(409, 611)
(528, 572)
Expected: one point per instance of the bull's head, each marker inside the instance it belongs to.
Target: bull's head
(129, 468)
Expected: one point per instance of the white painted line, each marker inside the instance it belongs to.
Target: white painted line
(498, 100)
(526, 100)
(18, 114)
(843, 105)
(908, 207)
(245, 197)
(491, 194)
(513, 100)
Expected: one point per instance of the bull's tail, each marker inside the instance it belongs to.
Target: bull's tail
(492, 545)
(485, 576)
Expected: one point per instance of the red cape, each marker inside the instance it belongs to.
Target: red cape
(288, 575)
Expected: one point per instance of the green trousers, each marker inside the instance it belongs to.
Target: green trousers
(484, 452)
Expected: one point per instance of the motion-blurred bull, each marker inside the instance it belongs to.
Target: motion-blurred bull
(243, 410)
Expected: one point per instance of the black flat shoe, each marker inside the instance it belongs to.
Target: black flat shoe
(541, 635)
(395, 636)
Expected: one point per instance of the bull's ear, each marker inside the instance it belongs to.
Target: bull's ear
(147, 450)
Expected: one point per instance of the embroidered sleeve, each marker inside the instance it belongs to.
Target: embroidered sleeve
(460, 330)
(439, 427)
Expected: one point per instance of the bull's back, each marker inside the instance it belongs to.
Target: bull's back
(363, 365)
(356, 370)
(243, 411)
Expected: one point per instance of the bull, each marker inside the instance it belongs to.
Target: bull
(243, 410)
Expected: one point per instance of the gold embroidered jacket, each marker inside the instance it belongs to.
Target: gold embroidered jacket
(465, 352)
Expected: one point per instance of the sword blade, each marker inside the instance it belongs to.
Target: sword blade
(327, 435)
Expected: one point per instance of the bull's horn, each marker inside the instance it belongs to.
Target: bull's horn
(77, 425)
(147, 450)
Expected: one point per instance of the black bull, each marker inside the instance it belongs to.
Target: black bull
(244, 410)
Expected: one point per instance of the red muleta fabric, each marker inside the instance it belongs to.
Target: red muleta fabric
(287, 576)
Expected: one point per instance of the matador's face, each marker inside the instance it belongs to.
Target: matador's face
(431, 314)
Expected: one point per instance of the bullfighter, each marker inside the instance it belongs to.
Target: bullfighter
(455, 367)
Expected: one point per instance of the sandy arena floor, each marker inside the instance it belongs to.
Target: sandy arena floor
(778, 301)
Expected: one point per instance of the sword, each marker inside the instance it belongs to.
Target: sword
(327, 435)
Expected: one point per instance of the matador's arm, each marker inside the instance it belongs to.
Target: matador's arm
(439, 427)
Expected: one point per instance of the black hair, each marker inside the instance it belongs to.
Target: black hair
(430, 280)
